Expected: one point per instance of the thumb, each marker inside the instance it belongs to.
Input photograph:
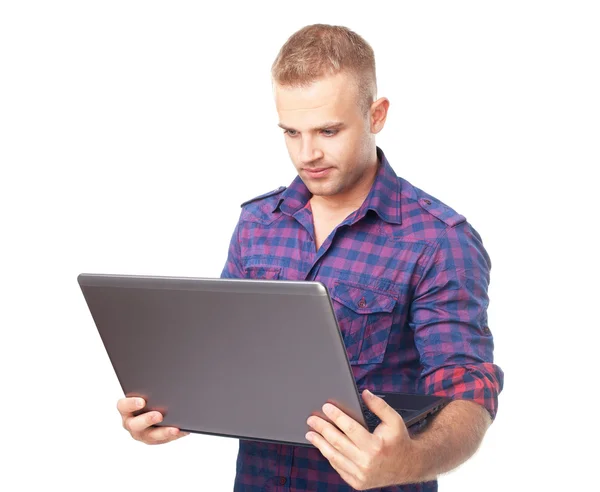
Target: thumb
(380, 408)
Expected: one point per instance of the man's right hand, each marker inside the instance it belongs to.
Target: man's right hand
(140, 426)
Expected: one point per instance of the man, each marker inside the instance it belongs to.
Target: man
(408, 277)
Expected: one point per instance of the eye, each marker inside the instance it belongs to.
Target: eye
(329, 133)
(290, 133)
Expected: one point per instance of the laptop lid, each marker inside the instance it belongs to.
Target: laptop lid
(241, 358)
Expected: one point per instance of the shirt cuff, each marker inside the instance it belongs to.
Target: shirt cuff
(480, 383)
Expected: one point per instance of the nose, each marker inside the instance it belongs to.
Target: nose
(309, 151)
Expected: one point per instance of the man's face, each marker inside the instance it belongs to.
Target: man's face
(327, 134)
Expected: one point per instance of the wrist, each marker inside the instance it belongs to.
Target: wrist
(421, 466)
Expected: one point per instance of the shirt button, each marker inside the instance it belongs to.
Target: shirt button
(486, 330)
(282, 481)
(362, 303)
(428, 202)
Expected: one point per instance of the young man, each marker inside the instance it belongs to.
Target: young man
(408, 277)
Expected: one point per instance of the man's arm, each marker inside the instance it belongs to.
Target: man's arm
(233, 266)
(450, 439)
(449, 319)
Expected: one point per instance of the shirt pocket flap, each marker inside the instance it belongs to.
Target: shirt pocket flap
(361, 300)
(263, 272)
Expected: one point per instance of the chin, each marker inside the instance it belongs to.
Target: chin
(324, 189)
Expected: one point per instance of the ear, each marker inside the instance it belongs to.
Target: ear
(378, 114)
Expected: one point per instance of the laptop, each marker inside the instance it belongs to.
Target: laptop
(250, 359)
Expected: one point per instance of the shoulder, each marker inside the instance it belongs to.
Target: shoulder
(447, 231)
(264, 196)
(440, 210)
(430, 206)
(262, 207)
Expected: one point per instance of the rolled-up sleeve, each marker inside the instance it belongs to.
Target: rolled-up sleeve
(448, 315)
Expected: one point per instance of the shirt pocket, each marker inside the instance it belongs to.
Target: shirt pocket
(263, 272)
(365, 318)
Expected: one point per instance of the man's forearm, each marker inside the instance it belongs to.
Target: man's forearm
(452, 438)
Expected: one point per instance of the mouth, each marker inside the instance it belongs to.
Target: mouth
(319, 172)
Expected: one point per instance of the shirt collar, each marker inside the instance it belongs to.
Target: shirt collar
(383, 198)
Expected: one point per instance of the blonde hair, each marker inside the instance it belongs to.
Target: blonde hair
(319, 50)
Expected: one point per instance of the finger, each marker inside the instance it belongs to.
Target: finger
(127, 406)
(379, 407)
(359, 436)
(340, 462)
(138, 424)
(334, 437)
(161, 435)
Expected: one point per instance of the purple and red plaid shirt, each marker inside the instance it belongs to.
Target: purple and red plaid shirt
(408, 277)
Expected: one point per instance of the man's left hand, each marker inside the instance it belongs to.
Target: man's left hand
(365, 460)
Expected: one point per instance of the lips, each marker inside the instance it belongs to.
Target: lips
(318, 172)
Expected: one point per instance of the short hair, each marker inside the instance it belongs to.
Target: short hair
(319, 50)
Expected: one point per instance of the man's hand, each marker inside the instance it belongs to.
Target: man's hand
(141, 427)
(365, 460)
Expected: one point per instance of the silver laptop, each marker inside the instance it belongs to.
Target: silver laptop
(250, 359)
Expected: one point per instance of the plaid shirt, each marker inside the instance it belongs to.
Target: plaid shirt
(408, 277)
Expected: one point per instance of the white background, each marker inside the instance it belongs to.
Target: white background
(130, 132)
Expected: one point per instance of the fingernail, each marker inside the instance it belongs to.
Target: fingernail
(139, 403)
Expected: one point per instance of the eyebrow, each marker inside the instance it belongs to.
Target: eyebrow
(330, 125)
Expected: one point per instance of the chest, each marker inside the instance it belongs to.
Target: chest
(295, 248)
(368, 275)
